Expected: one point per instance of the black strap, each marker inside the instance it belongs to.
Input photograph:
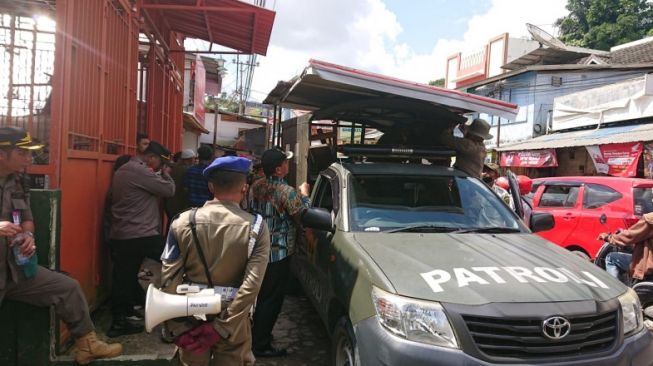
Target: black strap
(199, 248)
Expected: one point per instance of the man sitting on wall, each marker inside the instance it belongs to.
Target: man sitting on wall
(20, 278)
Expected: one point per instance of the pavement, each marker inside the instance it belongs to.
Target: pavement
(300, 330)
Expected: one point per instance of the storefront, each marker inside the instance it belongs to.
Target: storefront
(601, 131)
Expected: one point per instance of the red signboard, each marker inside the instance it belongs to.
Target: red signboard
(618, 160)
(199, 89)
(529, 159)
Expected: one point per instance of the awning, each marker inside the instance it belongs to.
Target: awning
(602, 136)
(191, 123)
(324, 85)
(229, 23)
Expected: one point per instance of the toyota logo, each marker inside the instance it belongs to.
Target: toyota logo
(556, 327)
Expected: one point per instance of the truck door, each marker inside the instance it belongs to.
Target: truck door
(314, 253)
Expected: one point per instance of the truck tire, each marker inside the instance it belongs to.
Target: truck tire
(343, 345)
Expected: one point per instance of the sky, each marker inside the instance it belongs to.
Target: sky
(407, 39)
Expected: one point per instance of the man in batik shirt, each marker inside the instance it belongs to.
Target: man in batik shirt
(281, 206)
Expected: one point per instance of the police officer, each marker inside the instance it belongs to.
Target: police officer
(235, 246)
(30, 283)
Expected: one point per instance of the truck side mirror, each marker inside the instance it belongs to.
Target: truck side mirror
(318, 218)
(541, 221)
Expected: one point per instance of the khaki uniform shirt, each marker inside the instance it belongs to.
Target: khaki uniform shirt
(470, 155)
(12, 197)
(223, 231)
(640, 237)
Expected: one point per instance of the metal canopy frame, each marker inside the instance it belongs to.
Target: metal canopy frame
(336, 92)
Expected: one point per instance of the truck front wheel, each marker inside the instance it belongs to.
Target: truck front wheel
(343, 348)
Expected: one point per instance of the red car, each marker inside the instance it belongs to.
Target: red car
(584, 207)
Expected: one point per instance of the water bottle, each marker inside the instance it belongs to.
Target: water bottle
(21, 260)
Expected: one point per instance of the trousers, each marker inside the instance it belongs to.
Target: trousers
(269, 302)
(127, 256)
(48, 288)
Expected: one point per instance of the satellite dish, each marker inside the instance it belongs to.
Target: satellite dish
(545, 38)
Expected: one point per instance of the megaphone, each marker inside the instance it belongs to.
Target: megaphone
(160, 306)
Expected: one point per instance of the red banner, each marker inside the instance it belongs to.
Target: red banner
(618, 160)
(529, 159)
(199, 89)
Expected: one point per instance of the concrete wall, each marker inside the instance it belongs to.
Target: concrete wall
(190, 140)
(227, 131)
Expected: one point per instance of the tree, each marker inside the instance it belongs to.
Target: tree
(601, 24)
(439, 82)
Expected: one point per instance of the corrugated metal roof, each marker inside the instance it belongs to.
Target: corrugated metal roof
(192, 123)
(558, 68)
(601, 136)
(231, 23)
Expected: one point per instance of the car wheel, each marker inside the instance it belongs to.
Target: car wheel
(581, 254)
(343, 347)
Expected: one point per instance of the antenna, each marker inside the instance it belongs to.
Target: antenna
(545, 38)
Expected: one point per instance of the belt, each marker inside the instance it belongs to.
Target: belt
(228, 294)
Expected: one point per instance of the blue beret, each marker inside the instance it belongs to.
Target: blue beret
(228, 163)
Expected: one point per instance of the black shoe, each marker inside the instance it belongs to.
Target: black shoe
(123, 327)
(135, 316)
(270, 351)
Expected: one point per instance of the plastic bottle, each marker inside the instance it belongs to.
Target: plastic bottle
(21, 260)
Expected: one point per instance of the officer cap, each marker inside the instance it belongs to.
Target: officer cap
(228, 163)
(158, 149)
(12, 136)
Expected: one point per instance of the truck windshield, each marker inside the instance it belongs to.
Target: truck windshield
(427, 203)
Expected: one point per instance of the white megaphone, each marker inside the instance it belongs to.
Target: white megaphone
(160, 306)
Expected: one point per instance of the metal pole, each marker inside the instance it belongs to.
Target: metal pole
(215, 126)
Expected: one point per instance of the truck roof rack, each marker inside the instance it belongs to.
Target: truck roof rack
(405, 152)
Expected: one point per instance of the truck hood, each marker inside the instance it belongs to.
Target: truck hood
(475, 269)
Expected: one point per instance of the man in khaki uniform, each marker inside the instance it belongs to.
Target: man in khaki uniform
(236, 246)
(470, 150)
(30, 283)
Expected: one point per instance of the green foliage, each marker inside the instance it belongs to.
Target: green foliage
(601, 24)
(439, 82)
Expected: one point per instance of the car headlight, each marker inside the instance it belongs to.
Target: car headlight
(415, 320)
(631, 310)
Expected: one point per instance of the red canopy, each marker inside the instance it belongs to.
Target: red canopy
(230, 23)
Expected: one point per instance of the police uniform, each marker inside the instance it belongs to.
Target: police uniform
(45, 287)
(236, 246)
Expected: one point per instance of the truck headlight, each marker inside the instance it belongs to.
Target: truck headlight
(631, 311)
(415, 320)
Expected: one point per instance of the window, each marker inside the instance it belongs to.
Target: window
(597, 195)
(559, 196)
(643, 200)
(324, 197)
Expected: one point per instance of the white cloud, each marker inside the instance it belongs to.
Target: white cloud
(363, 34)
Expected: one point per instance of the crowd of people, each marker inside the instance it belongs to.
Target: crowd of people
(216, 222)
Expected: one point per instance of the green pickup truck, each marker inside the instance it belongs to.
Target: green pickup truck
(411, 262)
(422, 265)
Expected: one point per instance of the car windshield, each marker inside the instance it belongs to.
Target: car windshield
(427, 203)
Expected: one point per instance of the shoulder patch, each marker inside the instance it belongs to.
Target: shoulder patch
(171, 251)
